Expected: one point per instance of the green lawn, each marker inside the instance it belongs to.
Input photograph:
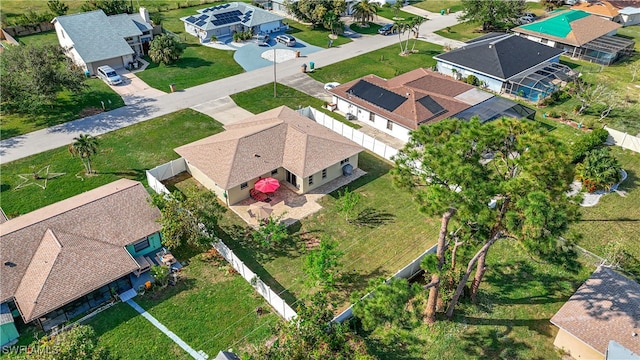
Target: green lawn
(615, 218)
(261, 99)
(317, 36)
(462, 32)
(47, 37)
(384, 62)
(371, 29)
(127, 335)
(389, 14)
(437, 5)
(210, 308)
(198, 65)
(68, 107)
(126, 153)
(516, 301)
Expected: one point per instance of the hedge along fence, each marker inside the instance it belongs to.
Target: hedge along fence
(405, 273)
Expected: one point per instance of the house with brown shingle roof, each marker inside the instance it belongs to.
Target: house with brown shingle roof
(279, 143)
(580, 34)
(69, 257)
(600, 317)
(419, 97)
(602, 8)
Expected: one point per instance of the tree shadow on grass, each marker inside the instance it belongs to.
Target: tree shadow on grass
(133, 174)
(494, 344)
(398, 350)
(374, 167)
(191, 63)
(372, 218)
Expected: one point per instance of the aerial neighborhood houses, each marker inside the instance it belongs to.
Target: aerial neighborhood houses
(419, 97)
(73, 256)
(93, 39)
(221, 21)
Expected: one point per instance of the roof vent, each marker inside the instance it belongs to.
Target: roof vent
(9, 264)
(256, 155)
(491, 46)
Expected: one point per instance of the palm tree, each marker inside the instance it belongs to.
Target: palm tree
(84, 146)
(396, 8)
(400, 27)
(364, 11)
(415, 28)
(333, 23)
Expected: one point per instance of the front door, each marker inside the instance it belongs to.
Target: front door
(291, 178)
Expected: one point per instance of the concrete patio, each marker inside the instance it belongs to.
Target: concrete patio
(290, 205)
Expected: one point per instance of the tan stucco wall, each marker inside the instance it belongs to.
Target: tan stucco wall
(205, 181)
(333, 172)
(576, 348)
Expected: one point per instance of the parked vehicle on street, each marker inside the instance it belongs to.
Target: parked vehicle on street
(263, 40)
(386, 29)
(286, 39)
(109, 75)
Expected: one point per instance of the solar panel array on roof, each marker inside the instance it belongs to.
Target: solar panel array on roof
(200, 23)
(247, 16)
(376, 95)
(203, 17)
(216, 8)
(432, 105)
(190, 19)
(227, 17)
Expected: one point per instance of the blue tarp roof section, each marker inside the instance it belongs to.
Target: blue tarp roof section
(495, 108)
(376, 95)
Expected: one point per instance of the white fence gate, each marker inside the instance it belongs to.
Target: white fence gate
(350, 133)
(163, 172)
(263, 289)
(623, 139)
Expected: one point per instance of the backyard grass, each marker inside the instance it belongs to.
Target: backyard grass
(385, 62)
(127, 335)
(261, 99)
(67, 107)
(47, 37)
(516, 301)
(317, 36)
(436, 5)
(615, 218)
(127, 152)
(371, 29)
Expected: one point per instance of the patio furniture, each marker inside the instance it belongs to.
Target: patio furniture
(165, 258)
(267, 185)
(258, 196)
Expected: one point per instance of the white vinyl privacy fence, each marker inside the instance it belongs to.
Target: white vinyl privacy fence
(163, 172)
(406, 272)
(623, 139)
(360, 138)
(263, 289)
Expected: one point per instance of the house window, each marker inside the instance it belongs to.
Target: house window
(324, 173)
(273, 172)
(243, 186)
(389, 125)
(345, 161)
(141, 245)
(372, 117)
(544, 41)
(311, 180)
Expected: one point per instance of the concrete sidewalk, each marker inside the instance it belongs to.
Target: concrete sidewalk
(63, 134)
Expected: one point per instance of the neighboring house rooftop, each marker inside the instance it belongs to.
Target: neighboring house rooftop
(606, 307)
(500, 56)
(573, 27)
(230, 14)
(129, 25)
(276, 138)
(630, 10)
(411, 99)
(56, 254)
(93, 35)
(600, 8)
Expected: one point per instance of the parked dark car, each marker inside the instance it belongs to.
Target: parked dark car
(386, 29)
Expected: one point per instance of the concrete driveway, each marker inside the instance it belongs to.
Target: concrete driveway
(133, 90)
(223, 110)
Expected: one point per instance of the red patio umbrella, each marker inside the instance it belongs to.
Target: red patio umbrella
(267, 185)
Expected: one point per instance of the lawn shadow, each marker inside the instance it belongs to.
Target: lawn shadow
(191, 62)
(133, 174)
(352, 281)
(494, 344)
(372, 218)
(399, 350)
(9, 133)
(373, 165)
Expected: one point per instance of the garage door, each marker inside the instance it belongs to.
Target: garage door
(115, 63)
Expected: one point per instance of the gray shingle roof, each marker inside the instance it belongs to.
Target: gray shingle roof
(93, 36)
(123, 25)
(276, 138)
(256, 16)
(502, 56)
(606, 307)
(58, 253)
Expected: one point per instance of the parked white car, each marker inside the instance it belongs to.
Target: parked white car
(109, 75)
(331, 85)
